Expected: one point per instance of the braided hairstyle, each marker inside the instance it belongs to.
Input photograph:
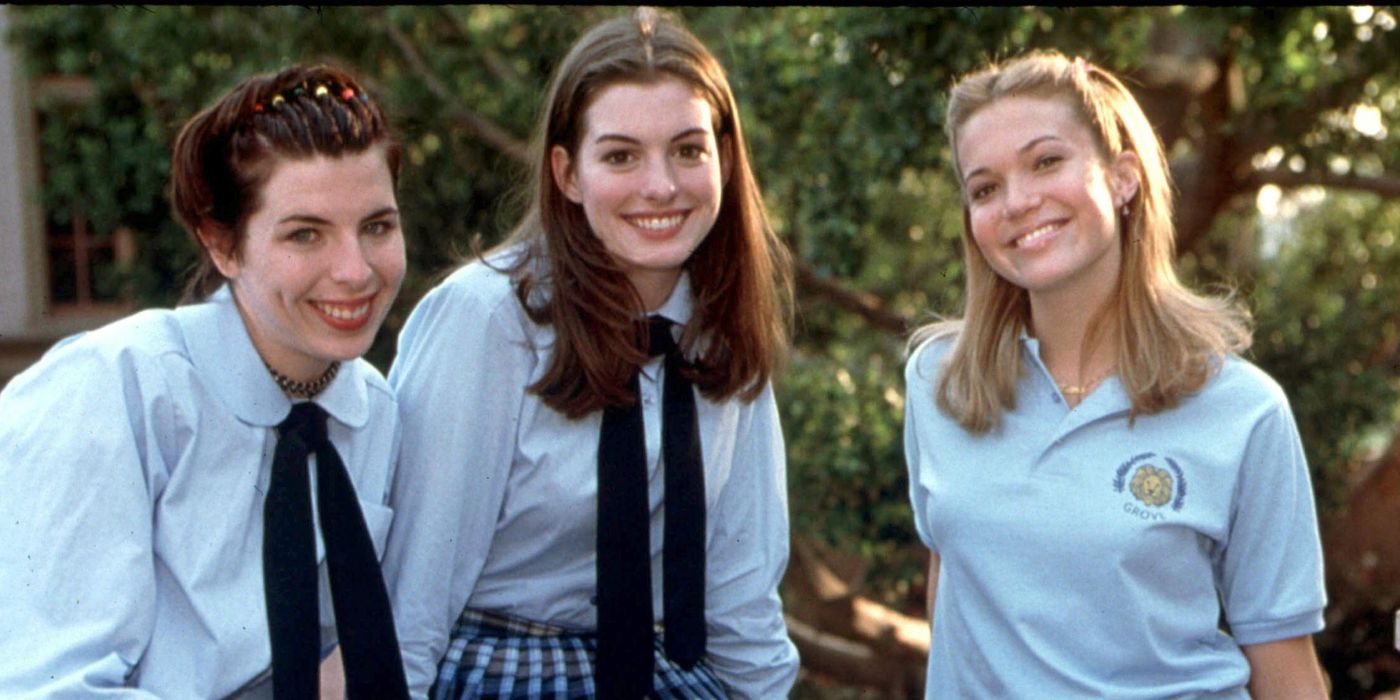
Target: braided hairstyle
(224, 154)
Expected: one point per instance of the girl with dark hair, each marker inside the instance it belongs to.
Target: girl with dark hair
(1102, 480)
(556, 536)
(162, 538)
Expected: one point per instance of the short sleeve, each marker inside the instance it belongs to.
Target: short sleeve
(918, 398)
(1270, 573)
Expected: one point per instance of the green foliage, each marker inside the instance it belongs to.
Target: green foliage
(844, 111)
(1328, 330)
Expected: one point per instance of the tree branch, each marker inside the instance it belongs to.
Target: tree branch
(866, 305)
(1388, 187)
(484, 129)
(863, 304)
(493, 63)
(852, 663)
(844, 635)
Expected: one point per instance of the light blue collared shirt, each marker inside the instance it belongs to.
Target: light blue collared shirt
(134, 459)
(1082, 557)
(496, 493)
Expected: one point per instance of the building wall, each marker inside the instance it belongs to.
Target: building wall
(21, 235)
(27, 324)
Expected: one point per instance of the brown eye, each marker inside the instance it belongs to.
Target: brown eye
(379, 228)
(302, 235)
(617, 157)
(691, 151)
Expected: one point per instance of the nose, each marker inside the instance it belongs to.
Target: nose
(660, 180)
(1021, 197)
(350, 261)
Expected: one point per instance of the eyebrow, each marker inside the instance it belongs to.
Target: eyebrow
(312, 219)
(628, 139)
(1029, 145)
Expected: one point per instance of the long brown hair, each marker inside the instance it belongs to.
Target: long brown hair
(223, 155)
(1168, 339)
(740, 274)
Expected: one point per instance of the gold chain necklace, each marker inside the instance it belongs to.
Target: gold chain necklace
(1080, 391)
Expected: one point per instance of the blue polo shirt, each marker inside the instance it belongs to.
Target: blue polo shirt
(1083, 557)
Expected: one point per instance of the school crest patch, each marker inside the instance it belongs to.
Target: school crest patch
(1151, 485)
(1156, 481)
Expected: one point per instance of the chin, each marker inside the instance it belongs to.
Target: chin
(345, 352)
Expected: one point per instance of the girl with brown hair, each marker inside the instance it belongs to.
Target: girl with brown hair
(1101, 479)
(551, 520)
(160, 536)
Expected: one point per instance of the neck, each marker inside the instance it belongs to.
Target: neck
(1062, 328)
(295, 367)
(654, 287)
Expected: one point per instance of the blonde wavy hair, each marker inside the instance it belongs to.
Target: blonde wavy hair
(1168, 338)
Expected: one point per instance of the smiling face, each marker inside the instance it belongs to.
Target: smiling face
(1042, 199)
(648, 173)
(321, 261)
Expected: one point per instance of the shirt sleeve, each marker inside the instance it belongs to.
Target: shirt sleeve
(1271, 567)
(77, 566)
(748, 645)
(460, 374)
(917, 393)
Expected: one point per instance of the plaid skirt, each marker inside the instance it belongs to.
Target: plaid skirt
(498, 657)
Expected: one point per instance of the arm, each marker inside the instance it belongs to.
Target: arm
(77, 570)
(1285, 670)
(917, 392)
(748, 645)
(460, 376)
(933, 564)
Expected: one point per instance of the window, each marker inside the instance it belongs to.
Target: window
(81, 261)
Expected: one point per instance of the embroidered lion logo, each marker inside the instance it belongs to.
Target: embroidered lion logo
(1152, 486)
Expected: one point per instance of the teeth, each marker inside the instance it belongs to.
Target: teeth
(657, 223)
(1035, 235)
(344, 313)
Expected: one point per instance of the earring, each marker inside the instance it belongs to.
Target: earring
(1124, 211)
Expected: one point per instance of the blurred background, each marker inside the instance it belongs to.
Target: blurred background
(1277, 122)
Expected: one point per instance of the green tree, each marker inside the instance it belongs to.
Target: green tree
(844, 107)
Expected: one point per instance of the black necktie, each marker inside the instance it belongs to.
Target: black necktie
(624, 543)
(364, 623)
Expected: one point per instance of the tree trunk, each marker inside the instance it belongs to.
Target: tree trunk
(1362, 544)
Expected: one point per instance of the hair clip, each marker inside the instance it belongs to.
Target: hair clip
(259, 108)
(322, 91)
(347, 94)
(364, 99)
(299, 90)
(277, 101)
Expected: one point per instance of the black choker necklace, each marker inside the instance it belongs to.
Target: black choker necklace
(303, 390)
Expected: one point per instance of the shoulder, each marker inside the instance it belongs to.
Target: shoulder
(929, 349)
(483, 285)
(136, 341)
(1241, 388)
(110, 370)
